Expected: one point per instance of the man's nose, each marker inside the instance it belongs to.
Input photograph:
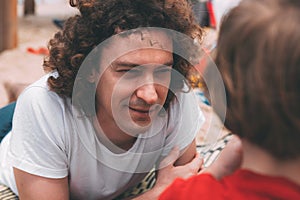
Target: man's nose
(147, 93)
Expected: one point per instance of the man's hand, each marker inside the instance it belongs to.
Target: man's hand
(229, 160)
(168, 173)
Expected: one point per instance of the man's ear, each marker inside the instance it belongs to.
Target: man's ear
(93, 76)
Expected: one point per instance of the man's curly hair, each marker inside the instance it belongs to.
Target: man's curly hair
(98, 20)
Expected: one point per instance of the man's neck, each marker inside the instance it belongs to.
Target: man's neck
(260, 161)
(113, 137)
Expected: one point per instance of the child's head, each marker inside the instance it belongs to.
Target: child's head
(258, 56)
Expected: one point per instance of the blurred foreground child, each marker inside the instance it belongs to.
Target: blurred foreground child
(258, 56)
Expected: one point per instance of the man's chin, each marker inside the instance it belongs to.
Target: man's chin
(133, 124)
(134, 128)
(143, 123)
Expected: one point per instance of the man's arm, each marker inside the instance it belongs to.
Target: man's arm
(32, 187)
(187, 165)
(188, 154)
(228, 161)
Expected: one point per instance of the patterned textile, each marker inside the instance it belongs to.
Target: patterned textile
(146, 184)
(210, 152)
(7, 194)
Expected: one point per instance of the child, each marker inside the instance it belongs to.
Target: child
(258, 56)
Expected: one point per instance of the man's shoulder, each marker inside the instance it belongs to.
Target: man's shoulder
(39, 94)
(39, 89)
(40, 83)
(184, 101)
(185, 112)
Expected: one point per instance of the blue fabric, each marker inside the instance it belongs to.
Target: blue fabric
(6, 115)
(202, 97)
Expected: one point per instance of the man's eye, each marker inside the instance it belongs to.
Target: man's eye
(126, 70)
(122, 70)
(129, 73)
(163, 71)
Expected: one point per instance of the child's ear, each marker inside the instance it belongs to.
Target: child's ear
(93, 76)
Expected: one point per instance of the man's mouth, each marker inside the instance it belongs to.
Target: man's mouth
(141, 110)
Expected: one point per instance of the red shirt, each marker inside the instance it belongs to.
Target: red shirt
(243, 184)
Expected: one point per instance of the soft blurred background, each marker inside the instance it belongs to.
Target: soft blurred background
(23, 40)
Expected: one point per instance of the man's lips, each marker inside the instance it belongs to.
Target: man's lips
(142, 114)
(141, 110)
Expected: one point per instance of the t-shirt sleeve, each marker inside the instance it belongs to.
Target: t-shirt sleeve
(37, 141)
(185, 120)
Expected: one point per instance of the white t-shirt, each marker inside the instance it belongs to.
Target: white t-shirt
(50, 139)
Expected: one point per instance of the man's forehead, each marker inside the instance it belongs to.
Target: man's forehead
(143, 38)
(132, 41)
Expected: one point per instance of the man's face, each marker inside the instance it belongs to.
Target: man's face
(134, 87)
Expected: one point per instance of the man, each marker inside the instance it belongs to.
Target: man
(112, 107)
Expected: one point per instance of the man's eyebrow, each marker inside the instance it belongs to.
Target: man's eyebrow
(125, 64)
(169, 63)
(132, 64)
